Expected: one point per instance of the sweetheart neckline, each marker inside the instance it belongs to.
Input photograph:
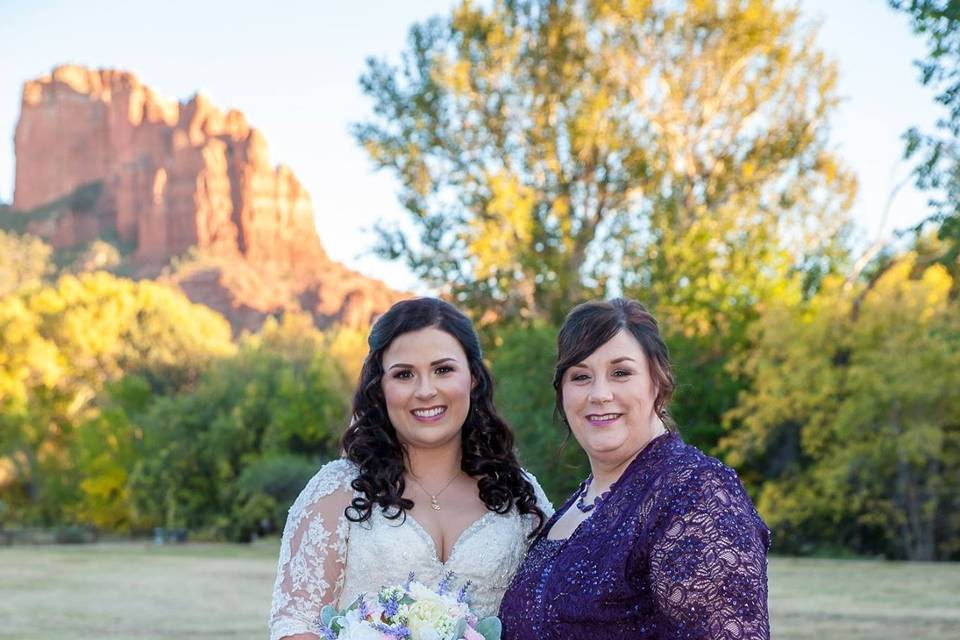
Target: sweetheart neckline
(460, 538)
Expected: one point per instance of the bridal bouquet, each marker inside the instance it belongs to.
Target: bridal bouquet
(408, 612)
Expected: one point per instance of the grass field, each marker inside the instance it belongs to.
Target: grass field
(223, 591)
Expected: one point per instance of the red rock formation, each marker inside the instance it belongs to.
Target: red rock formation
(169, 177)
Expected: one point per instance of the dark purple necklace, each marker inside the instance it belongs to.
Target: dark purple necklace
(584, 488)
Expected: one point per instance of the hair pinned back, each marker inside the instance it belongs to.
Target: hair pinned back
(592, 324)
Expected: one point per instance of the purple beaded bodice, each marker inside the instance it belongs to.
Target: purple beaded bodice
(677, 551)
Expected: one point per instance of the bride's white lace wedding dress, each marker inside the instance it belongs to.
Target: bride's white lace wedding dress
(326, 559)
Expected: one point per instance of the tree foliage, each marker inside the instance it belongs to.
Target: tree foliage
(124, 406)
(522, 365)
(939, 152)
(851, 429)
(60, 345)
(24, 261)
(549, 151)
(225, 457)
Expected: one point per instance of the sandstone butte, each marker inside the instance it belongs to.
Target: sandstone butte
(99, 155)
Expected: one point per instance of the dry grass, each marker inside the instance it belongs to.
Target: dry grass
(223, 591)
(135, 591)
(860, 599)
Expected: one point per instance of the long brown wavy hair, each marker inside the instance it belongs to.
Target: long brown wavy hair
(372, 443)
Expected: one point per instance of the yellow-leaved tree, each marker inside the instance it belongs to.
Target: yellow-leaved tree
(852, 424)
(551, 150)
(60, 345)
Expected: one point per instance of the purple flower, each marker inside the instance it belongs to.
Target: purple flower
(326, 632)
(400, 633)
(445, 583)
(362, 607)
(390, 603)
(462, 595)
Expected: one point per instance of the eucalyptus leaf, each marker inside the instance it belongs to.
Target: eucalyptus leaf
(460, 628)
(327, 614)
(490, 628)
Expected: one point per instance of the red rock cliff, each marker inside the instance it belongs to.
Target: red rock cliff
(116, 159)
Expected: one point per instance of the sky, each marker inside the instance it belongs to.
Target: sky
(292, 68)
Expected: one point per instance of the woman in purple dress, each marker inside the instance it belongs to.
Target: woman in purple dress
(660, 541)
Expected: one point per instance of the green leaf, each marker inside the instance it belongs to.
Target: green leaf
(490, 628)
(327, 614)
(460, 628)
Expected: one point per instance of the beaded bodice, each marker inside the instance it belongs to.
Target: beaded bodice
(326, 559)
(676, 551)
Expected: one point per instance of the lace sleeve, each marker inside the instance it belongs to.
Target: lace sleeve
(542, 500)
(708, 567)
(312, 552)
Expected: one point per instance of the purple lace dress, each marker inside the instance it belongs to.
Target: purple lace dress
(676, 551)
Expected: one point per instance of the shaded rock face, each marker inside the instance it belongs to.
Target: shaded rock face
(99, 154)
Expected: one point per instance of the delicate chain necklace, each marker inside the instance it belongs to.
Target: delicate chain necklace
(582, 493)
(433, 496)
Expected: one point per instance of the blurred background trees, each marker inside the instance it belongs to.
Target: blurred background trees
(850, 425)
(938, 151)
(125, 406)
(554, 151)
(549, 152)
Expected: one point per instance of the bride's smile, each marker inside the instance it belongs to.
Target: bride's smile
(430, 414)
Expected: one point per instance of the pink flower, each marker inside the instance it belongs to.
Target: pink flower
(472, 634)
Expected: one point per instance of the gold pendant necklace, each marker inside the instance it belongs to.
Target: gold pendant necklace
(433, 497)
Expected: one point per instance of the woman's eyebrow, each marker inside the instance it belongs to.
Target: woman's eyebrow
(404, 365)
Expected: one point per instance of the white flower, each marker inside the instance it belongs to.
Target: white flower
(356, 628)
(428, 619)
(455, 609)
(432, 616)
(420, 592)
(392, 593)
(428, 633)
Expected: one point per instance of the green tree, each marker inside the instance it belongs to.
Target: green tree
(553, 150)
(222, 458)
(939, 152)
(522, 365)
(104, 452)
(60, 346)
(852, 425)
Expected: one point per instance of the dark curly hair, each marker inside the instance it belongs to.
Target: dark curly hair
(487, 441)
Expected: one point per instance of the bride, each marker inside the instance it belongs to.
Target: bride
(429, 482)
